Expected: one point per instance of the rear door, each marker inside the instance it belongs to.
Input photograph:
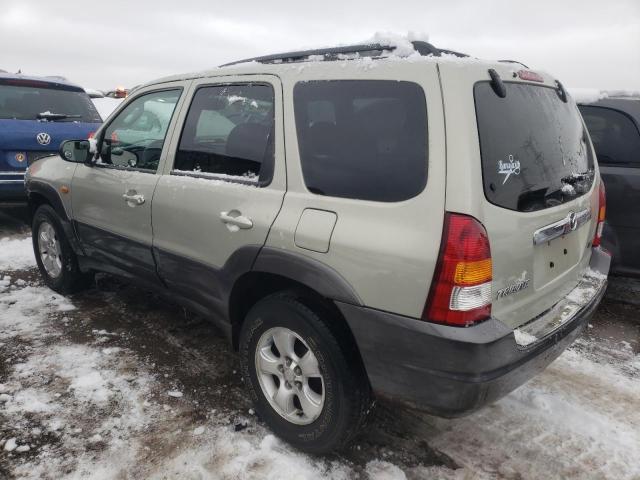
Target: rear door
(222, 186)
(111, 200)
(528, 173)
(616, 139)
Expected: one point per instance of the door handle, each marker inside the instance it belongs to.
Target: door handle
(235, 221)
(132, 198)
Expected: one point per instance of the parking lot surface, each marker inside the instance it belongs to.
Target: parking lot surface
(116, 383)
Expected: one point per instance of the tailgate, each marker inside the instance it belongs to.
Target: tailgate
(532, 273)
(529, 175)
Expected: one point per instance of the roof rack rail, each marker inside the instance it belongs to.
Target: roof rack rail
(373, 50)
(57, 77)
(513, 61)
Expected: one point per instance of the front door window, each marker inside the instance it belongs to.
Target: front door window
(134, 138)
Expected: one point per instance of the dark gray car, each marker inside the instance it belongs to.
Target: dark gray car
(614, 126)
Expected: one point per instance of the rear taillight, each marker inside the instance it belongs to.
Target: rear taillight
(602, 209)
(460, 292)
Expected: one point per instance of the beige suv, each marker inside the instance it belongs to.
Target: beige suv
(363, 222)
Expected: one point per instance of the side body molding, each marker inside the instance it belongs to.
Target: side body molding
(206, 286)
(308, 271)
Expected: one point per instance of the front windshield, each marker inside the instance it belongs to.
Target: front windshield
(25, 102)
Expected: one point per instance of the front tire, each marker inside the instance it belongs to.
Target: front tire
(305, 378)
(57, 262)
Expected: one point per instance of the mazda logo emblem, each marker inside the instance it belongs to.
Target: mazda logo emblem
(43, 138)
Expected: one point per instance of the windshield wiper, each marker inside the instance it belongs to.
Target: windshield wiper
(52, 117)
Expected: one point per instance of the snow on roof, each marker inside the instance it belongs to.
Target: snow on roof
(404, 50)
(402, 43)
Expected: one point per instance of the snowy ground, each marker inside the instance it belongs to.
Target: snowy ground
(116, 383)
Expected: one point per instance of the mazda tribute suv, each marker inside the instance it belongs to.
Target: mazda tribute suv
(362, 222)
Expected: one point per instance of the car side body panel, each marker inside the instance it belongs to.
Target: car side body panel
(188, 211)
(622, 181)
(386, 251)
(113, 229)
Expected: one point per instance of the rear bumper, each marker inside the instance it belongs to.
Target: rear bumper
(12, 188)
(451, 371)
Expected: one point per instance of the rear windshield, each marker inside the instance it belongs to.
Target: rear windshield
(534, 148)
(26, 102)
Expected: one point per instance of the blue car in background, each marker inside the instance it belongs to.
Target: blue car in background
(36, 115)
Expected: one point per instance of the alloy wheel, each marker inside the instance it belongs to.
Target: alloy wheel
(289, 376)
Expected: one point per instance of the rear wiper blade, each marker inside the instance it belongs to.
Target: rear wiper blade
(55, 116)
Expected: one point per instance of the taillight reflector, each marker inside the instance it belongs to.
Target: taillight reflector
(460, 292)
(602, 210)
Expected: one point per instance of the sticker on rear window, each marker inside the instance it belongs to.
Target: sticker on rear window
(508, 168)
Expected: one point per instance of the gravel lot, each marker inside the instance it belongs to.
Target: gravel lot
(117, 383)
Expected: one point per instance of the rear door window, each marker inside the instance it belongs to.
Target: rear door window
(534, 147)
(362, 139)
(614, 135)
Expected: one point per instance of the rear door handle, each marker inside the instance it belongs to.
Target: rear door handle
(557, 229)
(132, 198)
(235, 221)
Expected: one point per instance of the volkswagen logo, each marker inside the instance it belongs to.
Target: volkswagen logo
(573, 221)
(43, 138)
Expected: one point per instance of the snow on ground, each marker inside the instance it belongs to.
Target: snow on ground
(579, 419)
(16, 253)
(104, 386)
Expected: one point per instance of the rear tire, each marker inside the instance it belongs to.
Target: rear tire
(57, 262)
(329, 396)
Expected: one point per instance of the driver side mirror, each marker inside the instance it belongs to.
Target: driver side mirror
(76, 151)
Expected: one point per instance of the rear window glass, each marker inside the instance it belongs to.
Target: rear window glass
(534, 147)
(22, 102)
(365, 140)
(614, 135)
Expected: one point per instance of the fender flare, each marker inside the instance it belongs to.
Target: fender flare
(48, 192)
(308, 271)
(53, 199)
